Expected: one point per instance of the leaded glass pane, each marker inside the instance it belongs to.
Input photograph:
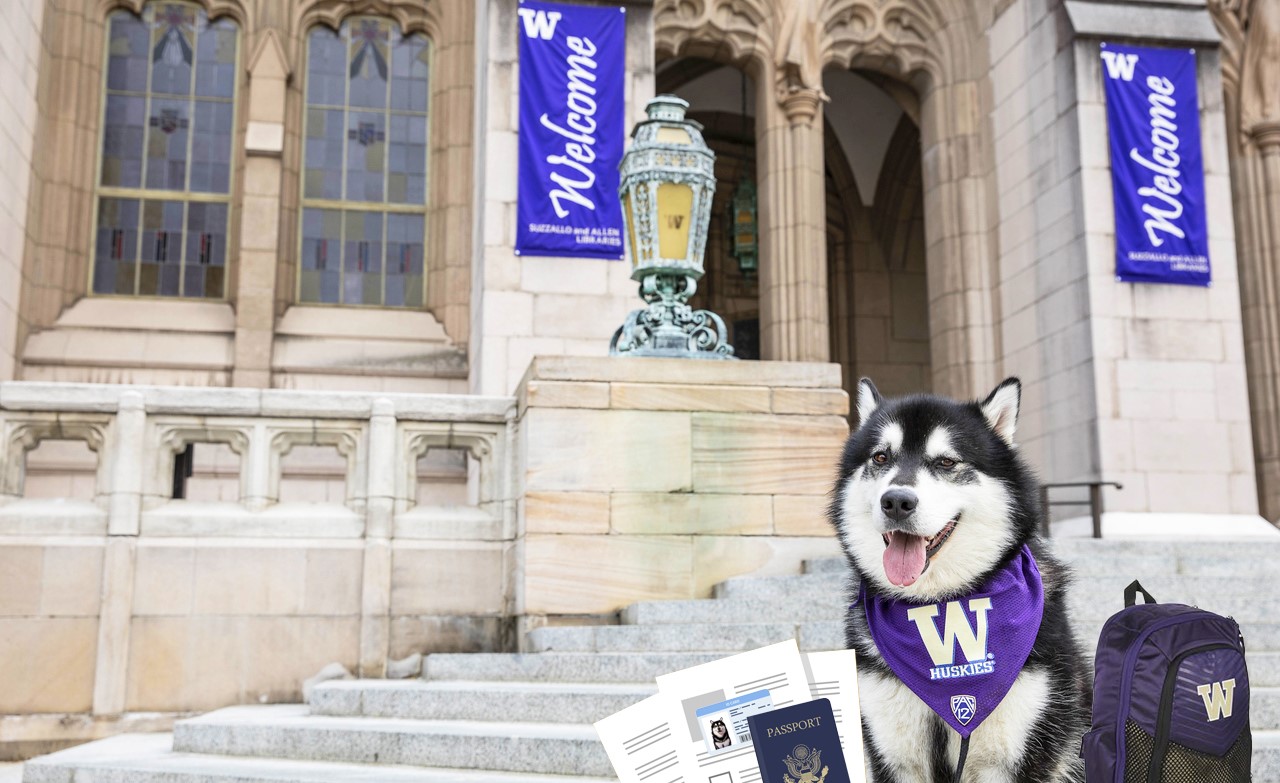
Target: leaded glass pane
(407, 160)
(127, 53)
(168, 129)
(172, 48)
(321, 261)
(326, 136)
(123, 131)
(365, 144)
(211, 147)
(216, 59)
(162, 231)
(368, 67)
(362, 258)
(326, 68)
(366, 156)
(409, 67)
(404, 260)
(116, 247)
(206, 256)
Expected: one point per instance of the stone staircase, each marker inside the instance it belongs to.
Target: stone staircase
(512, 718)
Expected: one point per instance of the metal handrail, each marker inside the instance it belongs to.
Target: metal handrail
(1094, 502)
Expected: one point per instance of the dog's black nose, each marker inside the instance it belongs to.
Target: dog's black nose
(899, 503)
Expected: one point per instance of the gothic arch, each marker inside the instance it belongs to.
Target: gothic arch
(732, 32)
(412, 17)
(214, 8)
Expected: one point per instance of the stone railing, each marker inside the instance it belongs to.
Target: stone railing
(133, 600)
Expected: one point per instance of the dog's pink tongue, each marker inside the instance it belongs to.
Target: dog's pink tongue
(904, 558)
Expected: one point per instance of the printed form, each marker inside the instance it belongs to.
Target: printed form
(641, 743)
(663, 740)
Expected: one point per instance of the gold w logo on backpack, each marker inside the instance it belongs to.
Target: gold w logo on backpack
(1218, 697)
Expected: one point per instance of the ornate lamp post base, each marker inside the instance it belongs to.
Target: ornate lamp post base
(668, 327)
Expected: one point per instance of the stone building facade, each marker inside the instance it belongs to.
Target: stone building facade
(189, 199)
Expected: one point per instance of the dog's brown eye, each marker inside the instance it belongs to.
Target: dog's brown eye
(946, 463)
(879, 458)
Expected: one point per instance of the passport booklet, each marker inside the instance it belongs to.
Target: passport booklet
(799, 744)
(702, 725)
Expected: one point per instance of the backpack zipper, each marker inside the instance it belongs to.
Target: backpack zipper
(1126, 674)
(1161, 747)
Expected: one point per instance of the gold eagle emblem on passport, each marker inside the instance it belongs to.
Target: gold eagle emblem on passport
(803, 764)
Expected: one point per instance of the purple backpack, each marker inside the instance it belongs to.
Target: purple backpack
(1170, 697)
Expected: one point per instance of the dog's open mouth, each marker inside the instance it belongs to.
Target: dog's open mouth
(906, 557)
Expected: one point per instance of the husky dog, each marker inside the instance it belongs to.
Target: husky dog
(932, 499)
(720, 734)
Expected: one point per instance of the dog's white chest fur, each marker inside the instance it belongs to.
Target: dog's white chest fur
(900, 725)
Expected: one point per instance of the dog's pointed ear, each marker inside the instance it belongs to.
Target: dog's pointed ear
(868, 400)
(1001, 408)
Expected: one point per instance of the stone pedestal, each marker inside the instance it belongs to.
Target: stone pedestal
(656, 478)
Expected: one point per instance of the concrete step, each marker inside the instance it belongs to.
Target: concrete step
(1173, 547)
(1264, 706)
(819, 606)
(1266, 756)
(702, 637)
(1181, 588)
(723, 639)
(579, 667)
(825, 565)
(782, 588)
(288, 732)
(148, 758)
(501, 702)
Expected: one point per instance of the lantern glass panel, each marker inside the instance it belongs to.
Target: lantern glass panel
(631, 228)
(675, 213)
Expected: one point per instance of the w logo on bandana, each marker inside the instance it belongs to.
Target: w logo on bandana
(964, 708)
(956, 630)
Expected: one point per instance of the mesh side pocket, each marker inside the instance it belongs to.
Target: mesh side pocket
(1184, 765)
(1138, 745)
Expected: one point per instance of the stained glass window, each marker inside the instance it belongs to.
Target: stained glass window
(364, 178)
(165, 181)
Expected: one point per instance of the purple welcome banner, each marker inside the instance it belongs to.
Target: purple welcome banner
(572, 110)
(1157, 175)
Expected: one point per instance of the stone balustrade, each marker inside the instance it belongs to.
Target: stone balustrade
(133, 601)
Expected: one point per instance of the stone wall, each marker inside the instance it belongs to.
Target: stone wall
(656, 478)
(21, 47)
(1123, 378)
(533, 306)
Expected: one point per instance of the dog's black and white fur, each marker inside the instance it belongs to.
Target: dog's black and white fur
(975, 504)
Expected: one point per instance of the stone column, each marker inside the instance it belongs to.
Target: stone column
(375, 603)
(794, 318)
(1261, 274)
(260, 215)
(110, 681)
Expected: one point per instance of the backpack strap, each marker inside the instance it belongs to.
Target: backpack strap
(1131, 594)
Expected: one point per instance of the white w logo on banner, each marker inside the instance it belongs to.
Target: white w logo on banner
(1119, 66)
(539, 24)
(956, 628)
(1218, 697)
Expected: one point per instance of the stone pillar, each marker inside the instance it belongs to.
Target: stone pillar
(260, 215)
(1261, 274)
(111, 671)
(375, 603)
(793, 221)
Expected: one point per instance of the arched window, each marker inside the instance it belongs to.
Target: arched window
(364, 172)
(164, 183)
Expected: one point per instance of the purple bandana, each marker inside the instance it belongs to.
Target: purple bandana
(964, 665)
